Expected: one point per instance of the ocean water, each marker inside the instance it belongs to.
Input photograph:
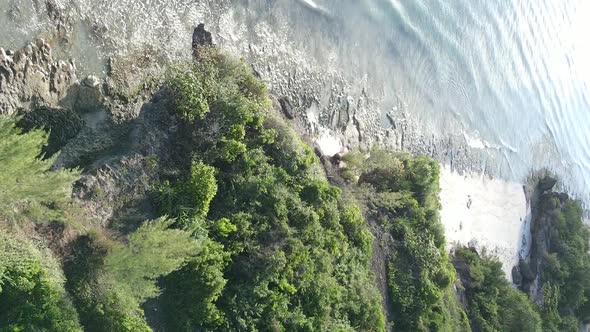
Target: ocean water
(511, 76)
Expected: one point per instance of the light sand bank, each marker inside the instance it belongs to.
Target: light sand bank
(496, 218)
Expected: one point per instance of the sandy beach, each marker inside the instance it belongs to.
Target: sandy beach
(488, 213)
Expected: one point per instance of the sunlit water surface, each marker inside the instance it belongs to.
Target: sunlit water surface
(511, 76)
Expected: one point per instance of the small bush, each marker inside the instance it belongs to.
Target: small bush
(28, 183)
(493, 304)
(31, 298)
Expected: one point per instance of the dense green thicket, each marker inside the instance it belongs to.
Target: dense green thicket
(566, 285)
(109, 281)
(100, 308)
(32, 297)
(27, 186)
(403, 200)
(252, 237)
(492, 303)
(282, 250)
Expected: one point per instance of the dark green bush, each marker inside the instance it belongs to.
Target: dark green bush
(284, 252)
(566, 266)
(493, 304)
(32, 297)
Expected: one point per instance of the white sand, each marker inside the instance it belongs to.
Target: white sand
(496, 219)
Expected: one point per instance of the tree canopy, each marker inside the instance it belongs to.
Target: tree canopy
(28, 182)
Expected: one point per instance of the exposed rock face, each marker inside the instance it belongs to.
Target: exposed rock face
(63, 124)
(516, 275)
(287, 108)
(30, 75)
(201, 38)
(118, 142)
(547, 183)
(526, 272)
(463, 269)
(89, 94)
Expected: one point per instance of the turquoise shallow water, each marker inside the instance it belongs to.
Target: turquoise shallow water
(511, 76)
(514, 74)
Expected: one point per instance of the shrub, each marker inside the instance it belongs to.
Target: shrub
(152, 251)
(110, 281)
(283, 252)
(28, 183)
(32, 298)
(566, 265)
(493, 304)
(190, 198)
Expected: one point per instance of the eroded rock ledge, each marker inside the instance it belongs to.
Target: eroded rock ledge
(31, 76)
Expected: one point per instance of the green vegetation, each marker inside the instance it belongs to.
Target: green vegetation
(282, 250)
(93, 292)
(251, 236)
(493, 304)
(189, 199)
(27, 185)
(566, 266)
(403, 201)
(31, 297)
(152, 251)
(110, 281)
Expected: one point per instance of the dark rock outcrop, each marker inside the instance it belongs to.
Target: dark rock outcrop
(62, 124)
(30, 75)
(117, 143)
(464, 269)
(547, 183)
(201, 38)
(287, 108)
(526, 272)
(544, 204)
(516, 275)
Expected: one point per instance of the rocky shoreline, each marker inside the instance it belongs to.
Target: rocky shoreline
(320, 98)
(123, 132)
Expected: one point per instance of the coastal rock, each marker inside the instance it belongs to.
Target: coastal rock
(201, 38)
(61, 124)
(516, 275)
(89, 94)
(547, 183)
(91, 82)
(30, 75)
(525, 270)
(287, 108)
(342, 110)
(544, 207)
(115, 141)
